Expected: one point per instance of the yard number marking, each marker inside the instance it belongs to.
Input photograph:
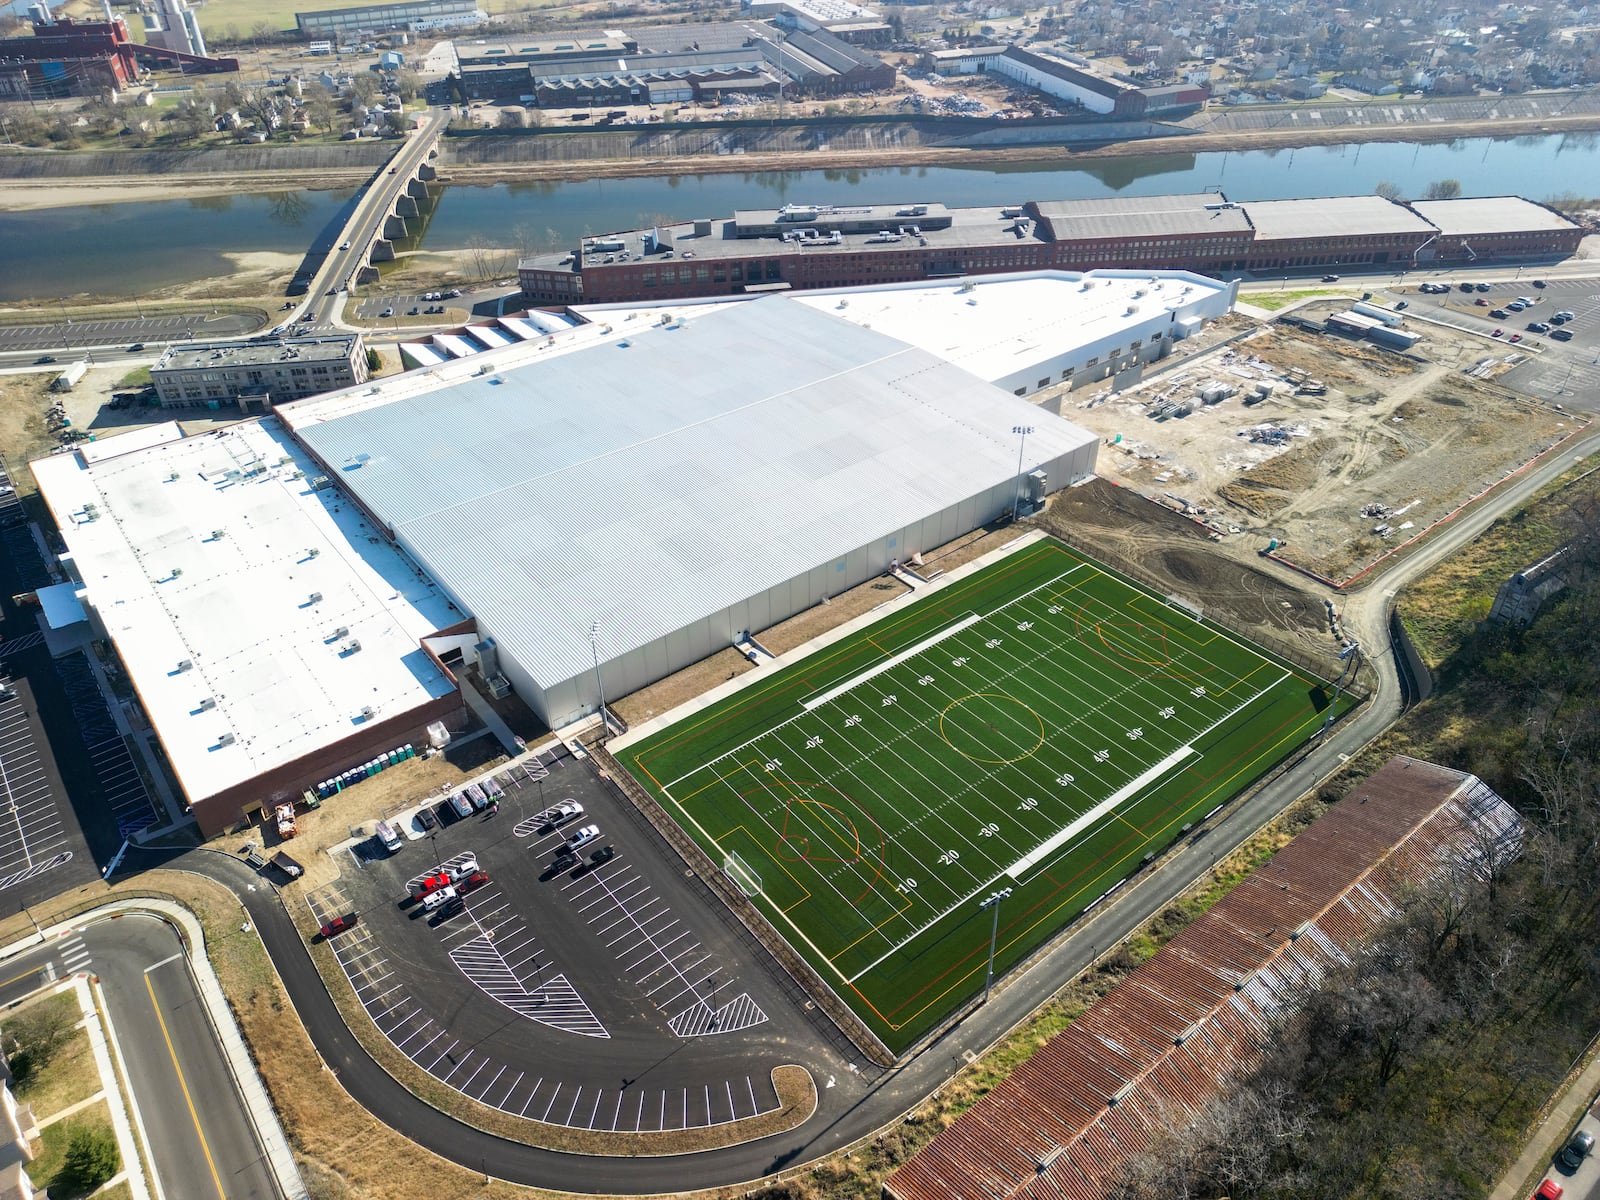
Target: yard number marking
(948, 857)
(1133, 735)
(774, 764)
(925, 680)
(890, 699)
(1024, 627)
(813, 742)
(1066, 780)
(958, 662)
(1030, 802)
(992, 644)
(988, 830)
(1101, 755)
(1168, 713)
(1199, 691)
(852, 720)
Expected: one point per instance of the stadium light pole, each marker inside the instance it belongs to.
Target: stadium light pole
(594, 650)
(994, 933)
(1023, 431)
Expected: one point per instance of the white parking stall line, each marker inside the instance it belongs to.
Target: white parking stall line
(574, 1107)
(531, 1095)
(755, 1109)
(597, 1098)
(427, 1044)
(427, 1025)
(465, 1059)
(450, 1049)
(487, 1062)
(504, 1067)
(548, 1106)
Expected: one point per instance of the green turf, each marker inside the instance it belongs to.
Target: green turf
(880, 817)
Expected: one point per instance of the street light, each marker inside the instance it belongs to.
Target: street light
(1023, 431)
(994, 932)
(599, 682)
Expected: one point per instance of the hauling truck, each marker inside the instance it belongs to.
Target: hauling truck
(286, 822)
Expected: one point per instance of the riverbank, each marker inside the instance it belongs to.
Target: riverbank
(147, 179)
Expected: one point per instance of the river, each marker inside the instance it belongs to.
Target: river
(116, 250)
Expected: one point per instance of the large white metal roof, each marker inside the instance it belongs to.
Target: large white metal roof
(648, 481)
(206, 551)
(994, 326)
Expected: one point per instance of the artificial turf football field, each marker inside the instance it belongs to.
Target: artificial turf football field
(1042, 724)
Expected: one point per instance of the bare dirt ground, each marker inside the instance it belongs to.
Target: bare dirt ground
(1395, 443)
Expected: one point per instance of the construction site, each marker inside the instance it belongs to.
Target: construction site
(1325, 450)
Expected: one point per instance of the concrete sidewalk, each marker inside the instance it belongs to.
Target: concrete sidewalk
(1560, 1115)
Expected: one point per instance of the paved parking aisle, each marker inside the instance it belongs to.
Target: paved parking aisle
(108, 754)
(33, 834)
(658, 953)
(500, 955)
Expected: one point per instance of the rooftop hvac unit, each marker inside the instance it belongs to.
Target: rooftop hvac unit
(342, 632)
(218, 534)
(177, 572)
(353, 646)
(225, 740)
(368, 712)
(313, 551)
(314, 598)
(1087, 285)
(172, 477)
(185, 665)
(207, 704)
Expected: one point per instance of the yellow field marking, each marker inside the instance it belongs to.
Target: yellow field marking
(1163, 611)
(899, 912)
(182, 1083)
(996, 762)
(777, 862)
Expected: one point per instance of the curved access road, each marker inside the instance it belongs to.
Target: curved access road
(861, 1101)
(201, 1140)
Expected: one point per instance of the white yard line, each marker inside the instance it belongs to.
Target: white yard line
(1056, 840)
(887, 664)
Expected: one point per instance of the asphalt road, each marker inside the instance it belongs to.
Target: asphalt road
(325, 300)
(200, 1135)
(115, 336)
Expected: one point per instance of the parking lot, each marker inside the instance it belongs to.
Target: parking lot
(1563, 372)
(601, 995)
(35, 828)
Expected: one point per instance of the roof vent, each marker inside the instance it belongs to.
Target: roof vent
(1303, 927)
(1124, 1091)
(1046, 1160)
(1188, 1033)
(225, 740)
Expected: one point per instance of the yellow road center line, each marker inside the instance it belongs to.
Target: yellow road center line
(183, 1083)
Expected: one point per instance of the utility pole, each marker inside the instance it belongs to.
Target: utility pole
(1023, 431)
(994, 933)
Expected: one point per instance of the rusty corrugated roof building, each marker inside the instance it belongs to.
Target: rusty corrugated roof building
(1164, 1041)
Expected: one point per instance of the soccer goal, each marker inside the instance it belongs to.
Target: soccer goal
(744, 878)
(1193, 607)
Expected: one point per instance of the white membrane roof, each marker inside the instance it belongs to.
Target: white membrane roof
(207, 550)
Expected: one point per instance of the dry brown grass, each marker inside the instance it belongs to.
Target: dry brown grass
(24, 429)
